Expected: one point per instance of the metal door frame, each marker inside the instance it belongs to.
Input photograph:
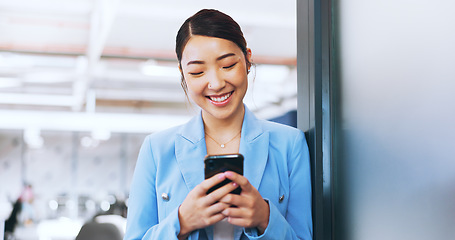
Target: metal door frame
(314, 111)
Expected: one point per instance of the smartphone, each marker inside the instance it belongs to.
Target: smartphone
(214, 164)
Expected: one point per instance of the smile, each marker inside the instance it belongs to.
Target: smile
(220, 98)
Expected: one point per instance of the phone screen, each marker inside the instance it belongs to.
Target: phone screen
(220, 163)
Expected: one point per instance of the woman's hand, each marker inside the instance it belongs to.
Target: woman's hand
(200, 210)
(250, 209)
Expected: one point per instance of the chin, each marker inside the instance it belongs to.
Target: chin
(225, 113)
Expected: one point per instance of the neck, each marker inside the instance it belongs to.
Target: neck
(221, 127)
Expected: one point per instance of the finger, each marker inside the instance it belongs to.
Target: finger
(205, 185)
(239, 179)
(241, 222)
(216, 208)
(233, 200)
(223, 190)
(235, 212)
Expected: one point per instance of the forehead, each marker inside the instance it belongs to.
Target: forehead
(208, 48)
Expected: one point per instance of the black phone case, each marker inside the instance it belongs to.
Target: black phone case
(214, 164)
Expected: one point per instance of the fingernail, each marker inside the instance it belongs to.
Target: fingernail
(234, 184)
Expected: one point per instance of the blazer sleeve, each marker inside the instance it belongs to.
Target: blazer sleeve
(142, 219)
(297, 223)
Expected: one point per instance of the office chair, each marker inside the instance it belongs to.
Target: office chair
(99, 231)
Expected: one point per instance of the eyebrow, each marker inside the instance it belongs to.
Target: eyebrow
(225, 56)
(217, 59)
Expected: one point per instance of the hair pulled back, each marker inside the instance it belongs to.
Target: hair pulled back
(210, 23)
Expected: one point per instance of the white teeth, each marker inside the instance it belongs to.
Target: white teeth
(220, 99)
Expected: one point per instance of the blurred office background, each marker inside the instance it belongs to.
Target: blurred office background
(82, 82)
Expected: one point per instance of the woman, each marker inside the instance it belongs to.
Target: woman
(168, 197)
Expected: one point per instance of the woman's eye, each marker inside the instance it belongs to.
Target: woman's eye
(196, 73)
(230, 66)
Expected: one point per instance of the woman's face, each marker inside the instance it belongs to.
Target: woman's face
(215, 71)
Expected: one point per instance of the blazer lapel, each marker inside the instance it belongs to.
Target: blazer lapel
(254, 145)
(190, 150)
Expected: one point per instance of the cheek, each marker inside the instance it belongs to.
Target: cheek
(238, 78)
(194, 86)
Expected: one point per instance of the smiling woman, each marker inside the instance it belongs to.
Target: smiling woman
(215, 72)
(168, 197)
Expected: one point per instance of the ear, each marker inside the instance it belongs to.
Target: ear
(248, 55)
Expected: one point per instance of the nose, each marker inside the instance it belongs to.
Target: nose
(216, 81)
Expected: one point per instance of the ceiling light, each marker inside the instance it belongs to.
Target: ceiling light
(151, 68)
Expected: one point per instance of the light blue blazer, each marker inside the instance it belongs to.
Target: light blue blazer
(170, 165)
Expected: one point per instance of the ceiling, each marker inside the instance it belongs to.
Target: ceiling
(77, 64)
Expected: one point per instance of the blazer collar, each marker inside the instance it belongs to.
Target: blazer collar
(254, 146)
(190, 150)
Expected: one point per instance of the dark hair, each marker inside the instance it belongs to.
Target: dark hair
(210, 23)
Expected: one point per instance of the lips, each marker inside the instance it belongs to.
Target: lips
(219, 99)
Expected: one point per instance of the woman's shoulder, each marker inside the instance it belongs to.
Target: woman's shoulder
(280, 129)
(163, 136)
(283, 136)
